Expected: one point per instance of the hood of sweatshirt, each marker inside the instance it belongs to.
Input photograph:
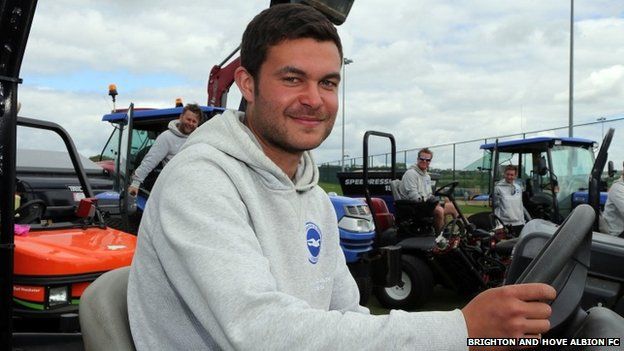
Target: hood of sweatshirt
(503, 182)
(173, 127)
(417, 169)
(219, 132)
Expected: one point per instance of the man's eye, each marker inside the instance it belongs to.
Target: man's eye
(291, 79)
(329, 84)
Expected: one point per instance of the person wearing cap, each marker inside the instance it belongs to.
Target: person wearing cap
(166, 145)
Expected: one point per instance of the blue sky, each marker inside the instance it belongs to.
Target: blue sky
(95, 81)
(431, 72)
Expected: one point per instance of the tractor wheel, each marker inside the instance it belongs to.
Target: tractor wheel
(417, 286)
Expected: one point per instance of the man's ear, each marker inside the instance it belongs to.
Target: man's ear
(245, 83)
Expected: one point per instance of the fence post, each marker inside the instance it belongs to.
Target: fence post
(453, 161)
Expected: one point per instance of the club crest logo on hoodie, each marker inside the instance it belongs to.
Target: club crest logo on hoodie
(313, 237)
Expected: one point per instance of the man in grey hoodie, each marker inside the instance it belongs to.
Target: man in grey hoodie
(239, 249)
(166, 145)
(507, 200)
(416, 186)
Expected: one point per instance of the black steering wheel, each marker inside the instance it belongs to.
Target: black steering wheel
(560, 263)
(447, 189)
(30, 212)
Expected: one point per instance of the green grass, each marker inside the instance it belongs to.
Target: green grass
(467, 210)
(331, 187)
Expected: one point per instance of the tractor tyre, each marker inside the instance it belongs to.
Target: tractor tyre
(417, 286)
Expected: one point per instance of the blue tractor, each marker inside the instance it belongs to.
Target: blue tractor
(554, 172)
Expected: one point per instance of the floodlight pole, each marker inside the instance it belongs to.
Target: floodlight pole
(345, 62)
(571, 99)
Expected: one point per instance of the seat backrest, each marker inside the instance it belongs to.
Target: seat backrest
(394, 187)
(104, 313)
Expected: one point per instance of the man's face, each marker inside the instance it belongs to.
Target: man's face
(188, 122)
(510, 176)
(424, 160)
(295, 98)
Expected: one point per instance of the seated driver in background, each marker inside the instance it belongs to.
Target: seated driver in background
(416, 186)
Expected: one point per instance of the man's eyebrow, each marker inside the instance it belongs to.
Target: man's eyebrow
(291, 69)
(297, 71)
(335, 75)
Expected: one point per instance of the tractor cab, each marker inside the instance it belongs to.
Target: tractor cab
(134, 132)
(552, 171)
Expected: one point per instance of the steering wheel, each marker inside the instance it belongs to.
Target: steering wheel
(447, 189)
(561, 255)
(30, 212)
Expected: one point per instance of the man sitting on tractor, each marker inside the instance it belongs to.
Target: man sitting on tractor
(416, 186)
(166, 145)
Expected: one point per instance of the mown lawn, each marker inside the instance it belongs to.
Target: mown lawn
(466, 208)
(331, 187)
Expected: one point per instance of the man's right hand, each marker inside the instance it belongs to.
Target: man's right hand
(133, 190)
(512, 311)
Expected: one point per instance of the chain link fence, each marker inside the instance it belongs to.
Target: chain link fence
(465, 162)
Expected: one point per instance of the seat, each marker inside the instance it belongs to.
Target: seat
(394, 187)
(104, 313)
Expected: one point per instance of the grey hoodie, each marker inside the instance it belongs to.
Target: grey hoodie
(614, 208)
(234, 255)
(164, 148)
(415, 184)
(507, 203)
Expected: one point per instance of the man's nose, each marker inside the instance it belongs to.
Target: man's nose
(311, 96)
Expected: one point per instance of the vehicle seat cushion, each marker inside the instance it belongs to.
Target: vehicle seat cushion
(104, 313)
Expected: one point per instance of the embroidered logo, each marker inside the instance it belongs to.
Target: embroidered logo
(313, 237)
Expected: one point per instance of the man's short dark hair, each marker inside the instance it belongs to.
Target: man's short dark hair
(425, 150)
(283, 22)
(195, 109)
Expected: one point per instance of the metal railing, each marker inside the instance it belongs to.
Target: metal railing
(460, 160)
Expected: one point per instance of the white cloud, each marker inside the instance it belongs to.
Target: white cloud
(431, 72)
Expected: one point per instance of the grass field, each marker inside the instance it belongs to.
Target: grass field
(331, 187)
(467, 207)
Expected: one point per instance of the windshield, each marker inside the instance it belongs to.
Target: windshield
(572, 166)
(112, 146)
(141, 141)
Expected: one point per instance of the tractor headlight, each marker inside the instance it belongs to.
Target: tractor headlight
(358, 225)
(58, 296)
